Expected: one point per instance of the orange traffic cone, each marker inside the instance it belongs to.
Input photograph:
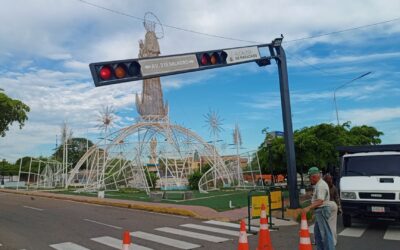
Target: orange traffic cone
(305, 241)
(243, 243)
(126, 241)
(264, 238)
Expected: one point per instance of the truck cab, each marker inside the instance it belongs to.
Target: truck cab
(370, 182)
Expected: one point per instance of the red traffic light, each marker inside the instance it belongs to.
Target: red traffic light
(205, 59)
(105, 72)
(212, 58)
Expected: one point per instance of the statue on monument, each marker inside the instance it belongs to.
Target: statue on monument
(150, 104)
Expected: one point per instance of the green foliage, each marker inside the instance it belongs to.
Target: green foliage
(195, 177)
(11, 110)
(8, 169)
(28, 162)
(151, 179)
(76, 149)
(315, 146)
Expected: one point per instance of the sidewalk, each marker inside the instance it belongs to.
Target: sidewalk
(200, 212)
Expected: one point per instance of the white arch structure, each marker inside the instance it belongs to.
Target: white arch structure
(123, 157)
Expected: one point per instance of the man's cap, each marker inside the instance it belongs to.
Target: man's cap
(313, 170)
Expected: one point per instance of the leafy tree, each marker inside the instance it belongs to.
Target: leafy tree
(365, 135)
(8, 169)
(195, 177)
(11, 110)
(151, 178)
(316, 146)
(76, 149)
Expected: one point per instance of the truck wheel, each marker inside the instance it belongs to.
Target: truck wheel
(346, 220)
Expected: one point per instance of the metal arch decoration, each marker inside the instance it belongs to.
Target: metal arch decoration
(151, 25)
(173, 160)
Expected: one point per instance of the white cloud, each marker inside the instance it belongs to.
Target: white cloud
(338, 59)
(370, 116)
(77, 65)
(60, 56)
(52, 42)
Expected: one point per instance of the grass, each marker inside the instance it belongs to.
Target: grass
(218, 200)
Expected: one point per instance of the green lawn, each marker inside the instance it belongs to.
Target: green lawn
(218, 200)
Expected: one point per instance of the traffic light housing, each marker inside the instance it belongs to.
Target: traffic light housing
(211, 58)
(112, 72)
(105, 73)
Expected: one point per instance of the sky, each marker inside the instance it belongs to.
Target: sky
(47, 45)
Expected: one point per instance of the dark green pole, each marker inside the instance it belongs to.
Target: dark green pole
(287, 125)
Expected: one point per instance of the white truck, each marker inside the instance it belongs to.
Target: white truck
(370, 182)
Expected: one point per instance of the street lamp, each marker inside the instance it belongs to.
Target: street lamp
(341, 86)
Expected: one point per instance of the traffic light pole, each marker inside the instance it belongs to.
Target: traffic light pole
(288, 128)
(112, 72)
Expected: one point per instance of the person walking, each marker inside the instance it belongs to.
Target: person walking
(334, 204)
(322, 211)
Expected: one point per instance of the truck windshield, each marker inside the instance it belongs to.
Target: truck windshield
(372, 165)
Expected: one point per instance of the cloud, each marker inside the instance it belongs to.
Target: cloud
(45, 60)
(76, 65)
(370, 116)
(339, 59)
(55, 97)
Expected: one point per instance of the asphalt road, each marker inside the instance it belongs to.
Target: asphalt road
(369, 235)
(41, 223)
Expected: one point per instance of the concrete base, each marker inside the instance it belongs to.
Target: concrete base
(100, 194)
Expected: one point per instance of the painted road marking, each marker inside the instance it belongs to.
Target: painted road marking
(228, 224)
(164, 240)
(200, 236)
(353, 231)
(34, 208)
(116, 243)
(212, 229)
(68, 246)
(392, 233)
(104, 224)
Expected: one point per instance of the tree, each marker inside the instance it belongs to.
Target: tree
(151, 178)
(11, 110)
(195, 177)
(316, 146)
(76, 149)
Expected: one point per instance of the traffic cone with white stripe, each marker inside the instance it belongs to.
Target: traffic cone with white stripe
(126, 240)
(243, 243)
(264, 238)
(305, 241)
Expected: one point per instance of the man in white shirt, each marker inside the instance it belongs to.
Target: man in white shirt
(322, 211)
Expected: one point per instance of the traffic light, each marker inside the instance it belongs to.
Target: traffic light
(211, 58)
(105, 73)
(112, 72)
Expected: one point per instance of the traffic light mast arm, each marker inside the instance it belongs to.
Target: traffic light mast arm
(113, 72)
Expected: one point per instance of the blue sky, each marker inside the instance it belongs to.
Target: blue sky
(46, 46)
